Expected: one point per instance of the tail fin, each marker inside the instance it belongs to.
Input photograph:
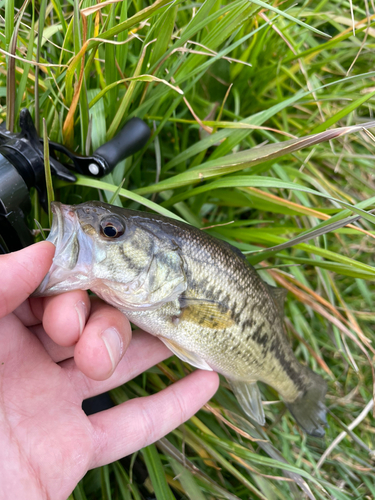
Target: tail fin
(309, 410)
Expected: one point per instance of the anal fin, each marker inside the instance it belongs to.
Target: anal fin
(185, 355)
(248, 395)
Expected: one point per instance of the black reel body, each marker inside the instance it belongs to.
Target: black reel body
(14, 203)
(22, 167)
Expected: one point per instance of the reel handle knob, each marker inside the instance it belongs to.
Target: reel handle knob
(131, 138)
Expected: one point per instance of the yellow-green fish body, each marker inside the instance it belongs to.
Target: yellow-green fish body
(196, 293)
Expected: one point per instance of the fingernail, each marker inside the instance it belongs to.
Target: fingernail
(80, 307)
(113, 343)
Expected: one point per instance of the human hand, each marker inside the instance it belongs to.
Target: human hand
(52, 357)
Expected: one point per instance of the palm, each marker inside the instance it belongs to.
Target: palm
(51, 359)
(47, 434)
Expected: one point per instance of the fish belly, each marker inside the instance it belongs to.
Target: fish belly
(239, 354)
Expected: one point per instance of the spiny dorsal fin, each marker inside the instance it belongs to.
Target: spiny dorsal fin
(278, 295)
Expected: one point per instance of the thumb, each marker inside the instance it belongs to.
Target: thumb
(21, 272)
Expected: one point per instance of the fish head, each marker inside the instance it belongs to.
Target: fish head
(93, 243)
(115, 253)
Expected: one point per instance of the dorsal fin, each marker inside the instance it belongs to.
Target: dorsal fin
(236, 250)
(278, 295)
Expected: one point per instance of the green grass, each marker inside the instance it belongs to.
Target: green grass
(256, 76)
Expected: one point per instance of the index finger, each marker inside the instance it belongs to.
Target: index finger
(21, 272)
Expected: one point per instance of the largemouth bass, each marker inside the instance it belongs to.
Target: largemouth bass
(197, 294)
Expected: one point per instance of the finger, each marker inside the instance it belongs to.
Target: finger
(64, 316)
(139, 422)
(21, 272)
(22, 353)
(56, 352)
(103, 342)
(25, 312)
(143, 352)
(32, 312)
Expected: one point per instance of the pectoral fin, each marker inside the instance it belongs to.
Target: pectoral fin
(248, 395)
(205, 313)
(186, 355)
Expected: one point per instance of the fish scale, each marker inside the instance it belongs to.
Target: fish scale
(196, 293)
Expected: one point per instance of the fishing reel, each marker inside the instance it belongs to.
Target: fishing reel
(22, 167)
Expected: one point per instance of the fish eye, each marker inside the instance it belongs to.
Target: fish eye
(112, 227)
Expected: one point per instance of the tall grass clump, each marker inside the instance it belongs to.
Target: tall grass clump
(261, 116)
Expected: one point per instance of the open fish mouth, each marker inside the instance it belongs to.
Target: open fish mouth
(57, 228)
(62, 229)
(70, 269)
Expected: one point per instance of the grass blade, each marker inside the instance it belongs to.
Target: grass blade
(85, 181)
(47, 171)
(156, 473)
(249, 158)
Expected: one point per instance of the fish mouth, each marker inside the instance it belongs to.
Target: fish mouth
(70, 268)
(57, 228)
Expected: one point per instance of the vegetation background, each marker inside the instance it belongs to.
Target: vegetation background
(227, 87)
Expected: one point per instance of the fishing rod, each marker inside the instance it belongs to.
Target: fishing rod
(22, 168)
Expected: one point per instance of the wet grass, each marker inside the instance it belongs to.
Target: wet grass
(231, 91)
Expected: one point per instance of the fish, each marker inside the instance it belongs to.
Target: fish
(197, 294)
